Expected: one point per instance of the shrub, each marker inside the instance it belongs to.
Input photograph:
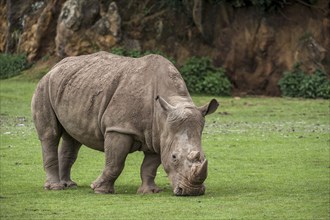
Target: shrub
(12, 65)
(138, 53)
(119, 51)
(203, 78)
(297, 83)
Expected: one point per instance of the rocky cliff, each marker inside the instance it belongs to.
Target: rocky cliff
(254, 47)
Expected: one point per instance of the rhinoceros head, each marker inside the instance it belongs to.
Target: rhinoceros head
(181, 152)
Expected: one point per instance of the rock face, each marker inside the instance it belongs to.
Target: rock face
(36, 28)
(257, 49)
(66, 28)
(254, 47)
(80, 30)
(3, 26)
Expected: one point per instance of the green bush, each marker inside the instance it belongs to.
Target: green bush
(12, 65)
(297, 83)
(128, 53)
(138, 53)
(202, 77)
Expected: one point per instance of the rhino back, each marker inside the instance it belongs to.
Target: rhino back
(94, 92)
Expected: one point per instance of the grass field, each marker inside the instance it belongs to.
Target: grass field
(268, 159)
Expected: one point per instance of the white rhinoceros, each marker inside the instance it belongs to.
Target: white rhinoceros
(120, 105)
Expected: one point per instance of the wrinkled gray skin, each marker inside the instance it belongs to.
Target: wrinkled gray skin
(120, 105)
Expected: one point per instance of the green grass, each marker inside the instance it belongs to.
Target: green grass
(268, 159)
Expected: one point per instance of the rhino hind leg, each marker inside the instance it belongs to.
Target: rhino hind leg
(49, 132)
(50, 162)
(67, 156)
(116, 148)
(148, 173)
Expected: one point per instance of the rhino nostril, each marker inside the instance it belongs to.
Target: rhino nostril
(178, 191)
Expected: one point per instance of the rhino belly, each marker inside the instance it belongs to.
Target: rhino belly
(82, 125)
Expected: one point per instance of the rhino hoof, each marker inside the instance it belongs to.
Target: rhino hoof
(102, 190)
(69, 184)
(148, 190)
(54, 186)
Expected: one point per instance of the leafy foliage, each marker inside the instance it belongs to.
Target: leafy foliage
(299, 84)
(128, 53)
(203, 78)
(138, 53)
(11, 65)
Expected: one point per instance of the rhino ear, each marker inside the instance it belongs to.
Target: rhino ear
(165, 105)
(209, 108)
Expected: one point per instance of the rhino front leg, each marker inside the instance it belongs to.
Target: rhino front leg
(116, 148)
(67, 156)
(148, 173)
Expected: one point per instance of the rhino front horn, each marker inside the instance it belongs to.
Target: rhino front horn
(200, 173)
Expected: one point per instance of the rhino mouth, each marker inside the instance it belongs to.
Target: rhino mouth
(189, 190)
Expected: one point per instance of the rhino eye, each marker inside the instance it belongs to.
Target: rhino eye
(173, 156)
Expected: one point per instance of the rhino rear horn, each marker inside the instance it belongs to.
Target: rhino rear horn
(194, 156)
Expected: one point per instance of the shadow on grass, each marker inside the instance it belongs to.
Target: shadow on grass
(120, 189)
(211, 191)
